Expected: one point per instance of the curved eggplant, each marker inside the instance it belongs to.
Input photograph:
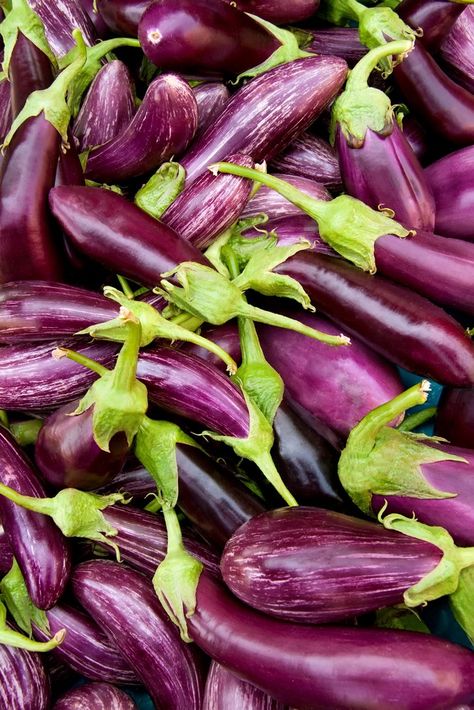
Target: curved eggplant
(24, 684)
(122, 16)
(456, 50)
(271, 203)
(434, 17)
(455, 416)
(100, 696)
(60, 20)
(211, 97)
(225, 690)
(309, 157)
(29, 70)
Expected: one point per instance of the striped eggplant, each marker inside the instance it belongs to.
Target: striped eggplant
(6, 554)
(263, 117)
(225, 690)
(211, 97)
(292, 229)
(455, 416)
(279, 11)
(310, 157)
(124, 603)
(5, 110)
(457, 52)
(342, 41)
(60, 20)
(101, 29)
(24, 684)
(122, 16)
(271, 203)
(434, 17)
(163, 126)
(100, 696)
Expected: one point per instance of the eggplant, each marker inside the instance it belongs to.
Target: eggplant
(38, 546)
(112, 231)
(101, 28)
(271, 203)
(456, 50)
(309, 157)
(24, 684)
(292, 229)
(6, 554)
(100, 696)
(395, 322)
(342, 41)
(225, 690)
(211, 97)
(434, 17)
(267, 114)
(60, 20)
(162, 127)
(108, 107)
(279, 11)
(311, 667)
(133, 480)
(210, 205)
(450, 179)
(417, 137)
(122, 16)
(455, 416)
(5, 111)
(29, 70)
(124, 603)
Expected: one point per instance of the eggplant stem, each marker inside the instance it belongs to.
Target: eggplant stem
(37, 505)
(125, 370)
(359, 75)
(81, 360)
(125, 286)
(280, 321)
(26, 432)
(417, 419)
(266, 464)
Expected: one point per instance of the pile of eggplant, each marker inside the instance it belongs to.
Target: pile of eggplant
(236, 355)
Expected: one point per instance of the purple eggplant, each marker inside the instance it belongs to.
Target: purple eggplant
(434, 17)
(133, 480)
(291, 230)
(5, 111)
(39, 547)
(122, 16)
(417, 137)
(342, 41)
(402, 326)
(311, 667)
(60, 20)
(42, 310)
(29, 70)
(453, 187)
(100, 696)
(457, 52)
(271, 203)
(455, 416)
(265, 116)
(225, 690)
(6, 554)
(211, 97)
(309, 157)
(162, 127)
(209, 205)
(101, 29)
(279, 11)
(24, 684)
(108, 107)
(112, 231)
(124, 603)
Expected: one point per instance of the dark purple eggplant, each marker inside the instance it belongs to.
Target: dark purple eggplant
(209, 205)
(402, 326)
(162, 127)
(279, 11)
(39, 548)
(311, 667)
(211, 97)
(309, 157)
(29, 70)
(457, 52)
(450, 179)
(455, 416)
(225, 690)
(108, 107)
(100, 696)
(417, 137)
(5, 111)
(60, 20)
(134, 480)
(114, 232)
(24, 684)
(124, 603)
(101, 28)
(122, 16)
(271, 203)
(342, 41)
(267, 114)
(6, 554)
(434, 17)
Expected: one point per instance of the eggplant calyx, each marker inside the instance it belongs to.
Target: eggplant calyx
(23, 20)
(338, 12)
(379, 25)
(9, 637)
(161, 190)
(17, 600)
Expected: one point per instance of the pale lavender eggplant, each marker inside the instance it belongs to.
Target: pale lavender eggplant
(384, 171)
(331, 388)
(274, 205)
(96, 696)
(267, 114)
(6, 554)
(317, 566)
(211, 97)
(209, 205)
(310, 157)
(342, 41)
(457, 50)
(108, 107)
(455, 416)
(280, 12)
(162, 128)
(452, 182)
(124, 603)
(24, 684)
(60, 19)
(225, 690)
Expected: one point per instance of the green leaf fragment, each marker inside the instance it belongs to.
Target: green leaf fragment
(22, 19)
(17, 600)
(161, 190)
(9, 637)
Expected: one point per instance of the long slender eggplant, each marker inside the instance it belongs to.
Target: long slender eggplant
(39, 547)
(162, 127)
(122, 16)
(311, 667)
(455, 416)
(417, 137)
(342, 41)
(271, 203)
(114, 232)
(60, 20)
(100, 26)
(209, 205)
(279, 11)
(124, 603)
(457, 52)
(6, 554)
(225, 690)
(402, 326)
(108, 107)
(100, 696)
(24, 684)
(29, 70)
(450, 179)
(434, 17)
(211, 97)
(309, 157)
(265, 116)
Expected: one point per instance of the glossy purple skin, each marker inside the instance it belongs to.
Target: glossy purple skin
(443, 106)
(455, 416)
(224, 690)
(122, 16)
(279, 12)
(28, 172)
(312, 667)
(440, 269)
(97, 20)
(457, 52)
(292, 229)
(108, 107)
(309, 157)
(162, 128)
(67, 455)
(316, 566)
(5, 111)
(100, 696)
(200, 38)
(451, 181)
(86, 648)
(267, 114)
(342, 41)
(271, 203)
(6, 554)
(385, 171)
(349, 381)
(31, 379)
(211, 97)
(24, 684)
(435, 17)
(114, 232)
(397, 323)
(210, 205)
(42, 310)
(454, 514)
(60, 19)
(124, 604)
(417, 137)
(37, 543)
(30, 70)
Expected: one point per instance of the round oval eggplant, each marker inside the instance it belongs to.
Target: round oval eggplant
(309, 157)
(122, 16)
(455, 416)
(24, 684)
(274, 205)
(96, 696)
(457, 53)
(225, 690)
(211, 97)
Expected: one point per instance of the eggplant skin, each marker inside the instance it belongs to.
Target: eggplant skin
(455, 418)
(224, 691)
(24, 684)
(95, 696)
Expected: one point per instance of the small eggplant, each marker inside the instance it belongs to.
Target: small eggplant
(279, 11)
(267, 201)
(101, 28)
(100, 696)
(24, 684)
(59, 22)
(457, 52)
(434, 17)
(309, 157)
(225, 690)
(455, 416)
(211, 97)
(29, 70)
(122, 16)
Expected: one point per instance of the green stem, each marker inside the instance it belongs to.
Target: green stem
(173, 532)
(81, 360)
(37, 505)
(266, 464)
(26, 433)
(417, 419)
(125, 286)
(9, 637)
(360, 74)
(125, 370)
(251, 350)
(186, 320)
(280, 321)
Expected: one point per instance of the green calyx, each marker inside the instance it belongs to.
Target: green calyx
(9, 637)
(400, 617)
(17, 600)
(23, 20)
(161, 190)
(26, 432)
(462, 601)
(339, 12)
(379, 25)
(52, 101)
(380, 460)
